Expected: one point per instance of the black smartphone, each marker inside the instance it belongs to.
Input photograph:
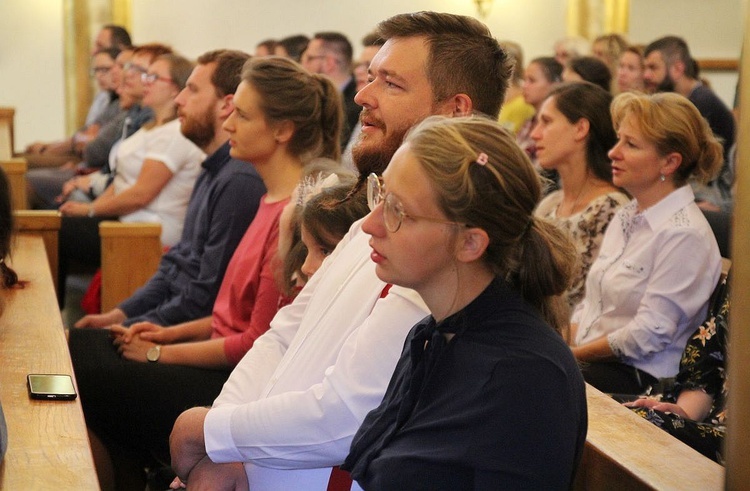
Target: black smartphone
(51, 387)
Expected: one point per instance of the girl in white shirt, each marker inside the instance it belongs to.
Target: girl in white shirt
(659, 261)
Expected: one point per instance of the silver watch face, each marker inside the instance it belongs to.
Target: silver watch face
(153, 353)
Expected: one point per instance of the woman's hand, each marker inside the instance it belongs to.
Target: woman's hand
(665, 407)
(75, 209)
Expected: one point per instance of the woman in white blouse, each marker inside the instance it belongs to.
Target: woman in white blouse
(155, 169)
(659, 262)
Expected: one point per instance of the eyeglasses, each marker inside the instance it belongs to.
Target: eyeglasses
(393, 209)
(132, 67)
(149, 78)
(308, 58)
(100, 70)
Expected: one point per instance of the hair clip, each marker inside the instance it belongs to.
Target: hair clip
(482, 159)
(311, 185)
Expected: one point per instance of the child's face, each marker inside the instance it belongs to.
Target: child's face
(316, 252)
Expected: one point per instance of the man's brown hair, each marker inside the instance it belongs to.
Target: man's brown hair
(228, 73)
(464, 57)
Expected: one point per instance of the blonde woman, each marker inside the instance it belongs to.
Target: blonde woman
(659, 262)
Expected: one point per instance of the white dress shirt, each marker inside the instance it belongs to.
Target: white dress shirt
(649, 288)
(293, 403)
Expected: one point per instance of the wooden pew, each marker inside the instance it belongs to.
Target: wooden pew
(16, 169)
(7, 148)
(48, 447)
(45, 224)
(130, 256)
(625, 452)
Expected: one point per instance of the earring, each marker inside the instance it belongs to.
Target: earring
(662, 178)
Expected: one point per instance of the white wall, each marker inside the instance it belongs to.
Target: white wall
(31, 58)
(31, 67)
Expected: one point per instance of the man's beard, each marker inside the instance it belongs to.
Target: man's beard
(371, 159)
(199, 130)
(666, 85)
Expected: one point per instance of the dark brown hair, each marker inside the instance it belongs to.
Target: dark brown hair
(464, 58)
(8, 276)
(583, 100)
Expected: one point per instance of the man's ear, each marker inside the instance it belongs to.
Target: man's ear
(677, 69)
(462, 105)
(458, 105)
(472, 244)
(226, 106)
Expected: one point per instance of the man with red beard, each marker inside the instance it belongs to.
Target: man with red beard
(224, 201)
(291, 407)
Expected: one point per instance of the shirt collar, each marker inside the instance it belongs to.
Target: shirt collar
(662, 211)
(216, 159)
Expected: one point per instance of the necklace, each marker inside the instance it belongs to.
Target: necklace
(575, 203)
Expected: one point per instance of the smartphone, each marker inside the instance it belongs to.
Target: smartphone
(51, 387)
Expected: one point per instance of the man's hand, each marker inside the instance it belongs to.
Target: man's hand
(114, 316)
(186, 443)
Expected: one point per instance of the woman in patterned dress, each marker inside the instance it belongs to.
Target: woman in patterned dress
(694, 411)
(572, 135)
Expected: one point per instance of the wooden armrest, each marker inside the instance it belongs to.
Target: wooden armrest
(45, 223)
(130, 256)
(624, 451)
(16, 169)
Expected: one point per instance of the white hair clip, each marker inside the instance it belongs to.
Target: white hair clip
(309, 186)
(482, 159)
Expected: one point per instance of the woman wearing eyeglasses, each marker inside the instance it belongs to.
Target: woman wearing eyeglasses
(155, 169)
(486, 394)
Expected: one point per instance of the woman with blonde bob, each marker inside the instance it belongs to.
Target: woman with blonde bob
(452, 219)
(658, 263)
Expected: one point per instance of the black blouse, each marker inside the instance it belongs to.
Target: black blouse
(501, 405)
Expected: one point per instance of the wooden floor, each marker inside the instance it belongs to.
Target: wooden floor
(48, 447)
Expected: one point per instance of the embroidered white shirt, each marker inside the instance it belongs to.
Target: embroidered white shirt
(649, 287)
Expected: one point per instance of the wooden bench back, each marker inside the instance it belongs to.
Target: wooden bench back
(46, 224)
(7, 115)
(16, 169)
(626, 452)
(130, 256)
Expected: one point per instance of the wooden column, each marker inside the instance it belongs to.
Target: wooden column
(738, 430)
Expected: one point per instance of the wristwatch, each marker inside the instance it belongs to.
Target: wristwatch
(153, 353)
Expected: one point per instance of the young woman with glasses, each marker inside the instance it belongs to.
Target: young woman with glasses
(453, 219)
